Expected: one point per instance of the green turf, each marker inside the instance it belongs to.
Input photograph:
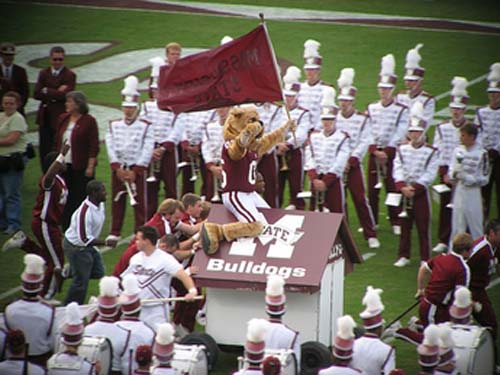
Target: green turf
(445, 54)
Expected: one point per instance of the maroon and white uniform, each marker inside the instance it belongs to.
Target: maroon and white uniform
(358, 126)
(15, 366)
(68, 363)
(45, 225)
(417, 167)
(482, 262)
(389, 128)
(425, 98)
(448, 271)
(238, 186)
(140, 334)
(129, 145)
(270, 115)
(211, 150)
(167, 131)
(280, 336)
(372, 355)
(295, 156)
(488, 120)
(446, 139)
(163, 370)
(329, 155)
(154, 274)
(340, 370)
(309, 97)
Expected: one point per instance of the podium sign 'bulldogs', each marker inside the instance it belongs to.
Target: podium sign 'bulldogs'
(294, 244)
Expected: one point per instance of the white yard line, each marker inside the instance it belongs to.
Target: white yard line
(493, 283)
(368, 255)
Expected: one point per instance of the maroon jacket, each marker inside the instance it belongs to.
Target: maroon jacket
(52, 104)
(84, 140)
(18, 82)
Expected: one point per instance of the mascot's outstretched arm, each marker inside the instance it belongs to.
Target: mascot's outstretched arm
(268, 141)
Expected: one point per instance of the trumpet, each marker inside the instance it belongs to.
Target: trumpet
(320, 202)
(284, 163)
(381, 174)
(216, 196)
(131, 191)
(407, 205)
(194, 160)
(154, 168)
(460, 158)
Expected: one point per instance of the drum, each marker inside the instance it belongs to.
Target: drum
(190, 359)
(285, 356)
(474, 350)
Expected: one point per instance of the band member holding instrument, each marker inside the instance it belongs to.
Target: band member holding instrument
(415, 168)
(130, 144)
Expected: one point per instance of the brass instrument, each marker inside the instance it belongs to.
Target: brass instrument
(284, 163)
(320, 202)
(381, 174)
(407, 205)
(216, 197)
(194, 160)
(460, 158)
(130, 190)
(154, 168)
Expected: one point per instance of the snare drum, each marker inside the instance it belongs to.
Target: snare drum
(190, 359)
(287, 360)
(474, 350)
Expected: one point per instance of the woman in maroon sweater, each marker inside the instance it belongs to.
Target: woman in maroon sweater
(79, 129)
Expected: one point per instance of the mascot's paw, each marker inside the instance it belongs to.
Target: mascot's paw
(211, 234)
(251, 131)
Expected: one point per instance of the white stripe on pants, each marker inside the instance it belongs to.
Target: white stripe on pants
(244, 205)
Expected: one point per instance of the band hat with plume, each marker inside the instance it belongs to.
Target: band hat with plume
(387, 77)
(33, 274)
(446, 344)
(461, 309)
(163, 347)
(346, 90)
(494, 78)
(129, 299)
(107, 302)
(72, 330)
(372, 315)
(329, 109)
(275, 295)
(417, 122)
(312, 58)
(344, 340)
(428, 351)
(130, 95)
(459, 96)
(255, 343)
(225, 39)
(156, 63)
(291, 81)
(413, 69)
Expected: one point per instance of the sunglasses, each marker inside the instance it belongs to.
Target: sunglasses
(57, 59)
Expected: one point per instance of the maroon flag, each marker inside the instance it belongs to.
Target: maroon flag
(237, 72)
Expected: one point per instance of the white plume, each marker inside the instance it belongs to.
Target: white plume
(431, 335)
(275, 285)
(372, 299)
(34, 264)
(345, 327)
(165, 334)
(445, 336)
(462, 297)
(494, 74)
(108, 286)
(130, 284)
(130, 88)
(388, 65)
(311, 48)
(226, 39)
(413, 57)
(292, 75)
(417, 110)
(328, 99)
(156, 63)
(257, 329)
(459, 86)
(346, 78)
(73, 316)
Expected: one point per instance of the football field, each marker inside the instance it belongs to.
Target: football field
(110, 40)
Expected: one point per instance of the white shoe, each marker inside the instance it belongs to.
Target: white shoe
(396, 229)
(360, 230)
(439, 248)
(389, 332)
(414, 324)
(402, 262)
(112, 237)
(373, 243)
(290, 207)
(201, 317)
(15, 242)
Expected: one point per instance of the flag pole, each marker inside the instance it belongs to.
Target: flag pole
(275, 63)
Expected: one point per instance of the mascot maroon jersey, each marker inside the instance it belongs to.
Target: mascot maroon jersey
(239, 175)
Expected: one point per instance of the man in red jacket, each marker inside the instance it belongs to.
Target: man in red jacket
(52, 85)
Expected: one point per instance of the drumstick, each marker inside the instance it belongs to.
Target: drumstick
(171, 299)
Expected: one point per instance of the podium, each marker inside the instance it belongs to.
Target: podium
(312, 251)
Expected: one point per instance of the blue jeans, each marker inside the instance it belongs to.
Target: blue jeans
(10, 200)
(86, 263)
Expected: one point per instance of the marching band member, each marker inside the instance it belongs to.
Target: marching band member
(190, 148)
(468, 172)
(254, 347)
(428, 351)
(130, 143)
(143, 358)
(17, 363)
(68, 361)
(370, 353)
(108, 310)
(415, 168)
(358, 126)
(461, 309)
(413, 82)
(290, 153)
(163, 350)
(446, 364)
(329, 151)
(20, 314)
(279, 335)
(488, 119)
(389, 128)
(446, 139)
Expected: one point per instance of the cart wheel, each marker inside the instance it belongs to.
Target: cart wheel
(198, 338)
(314, 356)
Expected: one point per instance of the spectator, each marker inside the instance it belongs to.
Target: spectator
(52, 85)
(13, 77)
(78, 129)
(13, 143)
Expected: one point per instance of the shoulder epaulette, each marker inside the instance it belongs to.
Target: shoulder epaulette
(431, 146)
(425, 93)
(400, 104)
(362, 113)
(303, 109)
(145, 121)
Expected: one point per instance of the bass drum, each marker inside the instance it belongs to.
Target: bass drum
(287, 360)
(474, 350)
(190, 359)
